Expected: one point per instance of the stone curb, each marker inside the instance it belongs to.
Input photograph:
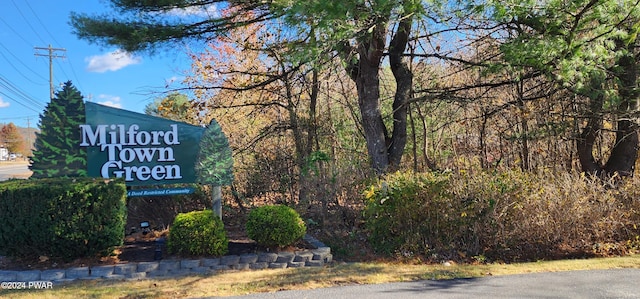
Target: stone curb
(317, 257)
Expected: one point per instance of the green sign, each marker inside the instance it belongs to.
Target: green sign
(148, 150)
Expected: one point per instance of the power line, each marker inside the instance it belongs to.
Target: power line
(23, 95)
(54, 39)
(19, 117)
(12, 87)
(68, 77)
(63, 72)
(40, 21)
(74, 74)
(20, 103)
(16, 32)
(18, 70)
(27, 21)
(28, 118)
(11, 91)
(23, 64)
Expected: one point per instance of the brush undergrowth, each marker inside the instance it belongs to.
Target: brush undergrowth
(508, 216)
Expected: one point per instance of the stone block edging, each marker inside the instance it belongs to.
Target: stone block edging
(316, 257)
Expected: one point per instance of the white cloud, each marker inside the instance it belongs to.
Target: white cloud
(109, 100)
(203, 12)
(111, 61)
(4, 104)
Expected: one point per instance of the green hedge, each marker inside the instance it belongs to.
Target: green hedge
(61, 217)
(198, 233)
(275, 226)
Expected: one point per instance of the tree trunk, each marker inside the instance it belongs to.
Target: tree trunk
(586, 141)
(367, 82)
(384, 152)
(368, 86)
(404, 83)
(525, 161)
(625, 151)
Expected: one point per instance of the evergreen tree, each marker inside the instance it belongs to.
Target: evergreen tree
(591, 49)
(57, 148)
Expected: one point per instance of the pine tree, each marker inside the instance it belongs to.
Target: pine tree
(57, 148)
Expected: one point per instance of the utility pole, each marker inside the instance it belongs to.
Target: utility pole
(51, 52)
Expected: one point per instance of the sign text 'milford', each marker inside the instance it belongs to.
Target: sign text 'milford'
(127, 146)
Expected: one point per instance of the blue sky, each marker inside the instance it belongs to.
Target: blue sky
(102, 74)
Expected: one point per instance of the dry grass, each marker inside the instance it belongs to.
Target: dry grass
(246, 282)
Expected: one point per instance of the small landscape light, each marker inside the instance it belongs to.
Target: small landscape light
(144, 225)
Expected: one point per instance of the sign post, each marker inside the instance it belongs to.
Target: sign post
(216, 196)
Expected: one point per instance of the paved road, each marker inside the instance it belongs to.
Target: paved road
(620, 283)
(11, 169)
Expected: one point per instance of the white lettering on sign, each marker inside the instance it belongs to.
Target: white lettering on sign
(124, 145)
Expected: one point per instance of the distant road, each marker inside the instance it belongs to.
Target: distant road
(14, 170)
(617, 283)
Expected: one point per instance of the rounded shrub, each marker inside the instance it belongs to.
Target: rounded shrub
(275, 226)
(198, 233)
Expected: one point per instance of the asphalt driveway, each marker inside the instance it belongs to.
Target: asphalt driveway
(617, 283)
